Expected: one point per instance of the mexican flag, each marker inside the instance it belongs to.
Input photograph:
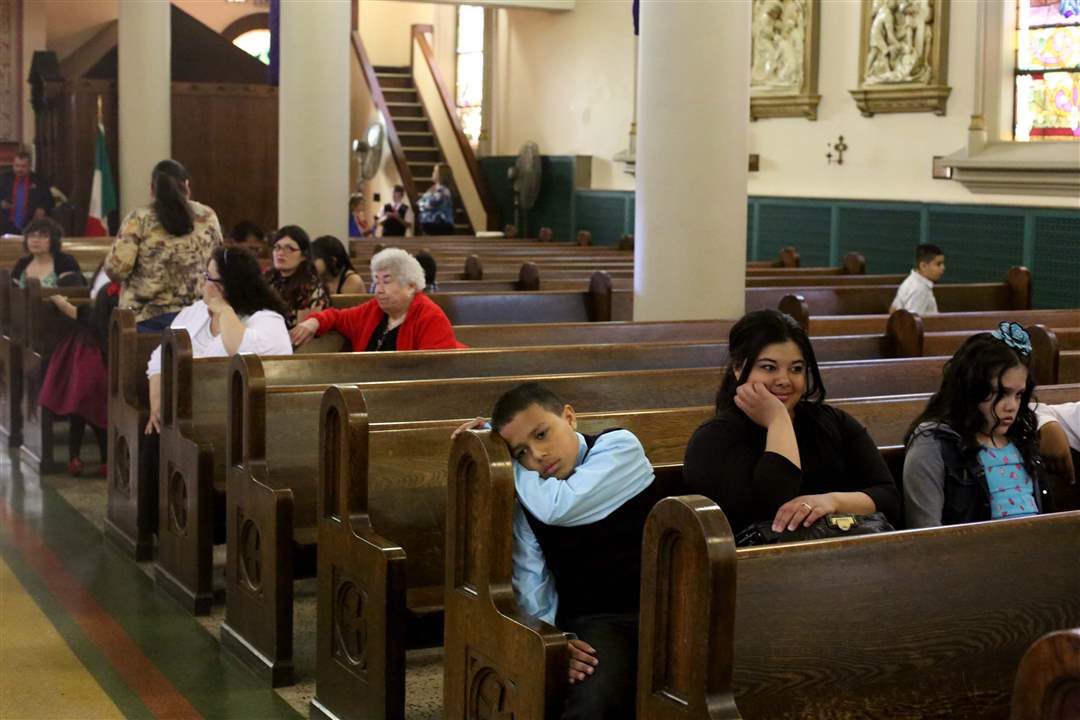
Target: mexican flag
(102, 191)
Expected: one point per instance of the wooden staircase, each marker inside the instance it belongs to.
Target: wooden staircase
(419, 143)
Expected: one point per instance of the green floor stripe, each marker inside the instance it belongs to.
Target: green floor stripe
(216, 685)
(85, 650)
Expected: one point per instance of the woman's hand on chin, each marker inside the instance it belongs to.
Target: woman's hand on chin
(759, 404)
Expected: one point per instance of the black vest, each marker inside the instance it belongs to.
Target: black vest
(597, 567)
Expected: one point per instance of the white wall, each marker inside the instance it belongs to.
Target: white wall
(889, 156)
(385, 28)
(566, 81)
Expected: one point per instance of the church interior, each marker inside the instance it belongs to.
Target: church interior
(792, 278)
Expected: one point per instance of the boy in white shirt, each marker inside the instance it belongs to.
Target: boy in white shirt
(916, 293)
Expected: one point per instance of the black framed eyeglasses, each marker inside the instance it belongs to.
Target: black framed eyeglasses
(216, 281)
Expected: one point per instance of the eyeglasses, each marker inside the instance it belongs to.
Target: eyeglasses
(286, 248)
(217, 281)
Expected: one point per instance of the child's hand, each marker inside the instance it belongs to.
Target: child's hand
(759, 404)
(473, 424)
(583, 660)
(1054, 448)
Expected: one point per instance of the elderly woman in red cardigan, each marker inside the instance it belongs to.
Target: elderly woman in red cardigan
(399, 317)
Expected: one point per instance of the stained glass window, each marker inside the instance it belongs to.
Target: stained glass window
(255, 43)
(1047, 78)
(470, 69)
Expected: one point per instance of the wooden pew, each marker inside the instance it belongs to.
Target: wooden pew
(943, 640)
(251, 611)
(10, 366)
(479, 308)
(1048, 681)
(131, 516)
(480, 485)
(194, 422)
(1013, 294)
(46, 327)
(942, 322)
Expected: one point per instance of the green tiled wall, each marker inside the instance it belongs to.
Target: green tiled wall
(886, 237)
(980, 241)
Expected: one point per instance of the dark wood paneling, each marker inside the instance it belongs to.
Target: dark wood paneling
(227, 137)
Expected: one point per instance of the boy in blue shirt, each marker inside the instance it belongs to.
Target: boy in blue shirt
(581, 507)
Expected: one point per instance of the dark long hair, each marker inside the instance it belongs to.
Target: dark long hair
(45, 226)
(969, 378)
(290, 286)
(243, 284)
(170, 201)
(749, 337)
(330, 250)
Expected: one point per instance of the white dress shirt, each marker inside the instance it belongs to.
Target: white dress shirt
(916, 294)
(1067, 415)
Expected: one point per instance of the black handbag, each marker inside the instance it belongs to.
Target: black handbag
(833, 525)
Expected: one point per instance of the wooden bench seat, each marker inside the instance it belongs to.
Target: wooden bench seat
(947, 643)
(46, 328)
(131, 514)
(1048, 681)
(777, 674)
(430, 401)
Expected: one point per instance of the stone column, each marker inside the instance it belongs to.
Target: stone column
(144, 46)
(693, 109)
(313, 116)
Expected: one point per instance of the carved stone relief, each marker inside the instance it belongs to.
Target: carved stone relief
(783, 65)
(902, 56)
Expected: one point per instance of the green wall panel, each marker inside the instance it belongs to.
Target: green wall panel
(1056, 266)
(802, 224)
(887, 237)
(554, 206)
(980, 244)
(607, 214)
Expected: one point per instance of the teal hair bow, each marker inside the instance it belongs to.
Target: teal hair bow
(1015, 336)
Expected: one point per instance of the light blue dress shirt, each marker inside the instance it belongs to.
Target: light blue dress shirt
(615, 471)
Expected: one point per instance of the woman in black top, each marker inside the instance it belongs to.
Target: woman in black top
(43, 259)
(775, 451)
(335, 268)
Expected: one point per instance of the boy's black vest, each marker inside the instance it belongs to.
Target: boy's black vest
(597, 567)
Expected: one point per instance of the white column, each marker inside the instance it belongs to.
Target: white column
(693, 110)
(145, 46)
(313, 116)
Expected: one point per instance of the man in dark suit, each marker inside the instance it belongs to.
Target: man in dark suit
(24, 195)
(395, 215)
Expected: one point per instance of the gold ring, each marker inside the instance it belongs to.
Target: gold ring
(808, 506)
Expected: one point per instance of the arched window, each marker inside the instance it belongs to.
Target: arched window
(255, 43)
(1047, 76)
(470, 70)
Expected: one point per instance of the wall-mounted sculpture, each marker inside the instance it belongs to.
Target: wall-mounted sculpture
(784, 59)
(903, 57)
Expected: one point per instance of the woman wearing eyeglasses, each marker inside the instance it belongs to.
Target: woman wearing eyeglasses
(293, 275)
(239, 312)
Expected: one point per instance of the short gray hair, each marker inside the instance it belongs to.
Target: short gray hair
(403, 266)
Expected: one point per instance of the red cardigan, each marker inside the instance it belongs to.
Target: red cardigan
(426, 326)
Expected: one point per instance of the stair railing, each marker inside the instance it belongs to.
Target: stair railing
(475, 196)
(367, 70)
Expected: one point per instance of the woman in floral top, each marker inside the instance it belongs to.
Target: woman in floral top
(293, 275)
(160, 254)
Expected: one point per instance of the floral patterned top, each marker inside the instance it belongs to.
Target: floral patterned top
(158, 272)
(303, 290)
